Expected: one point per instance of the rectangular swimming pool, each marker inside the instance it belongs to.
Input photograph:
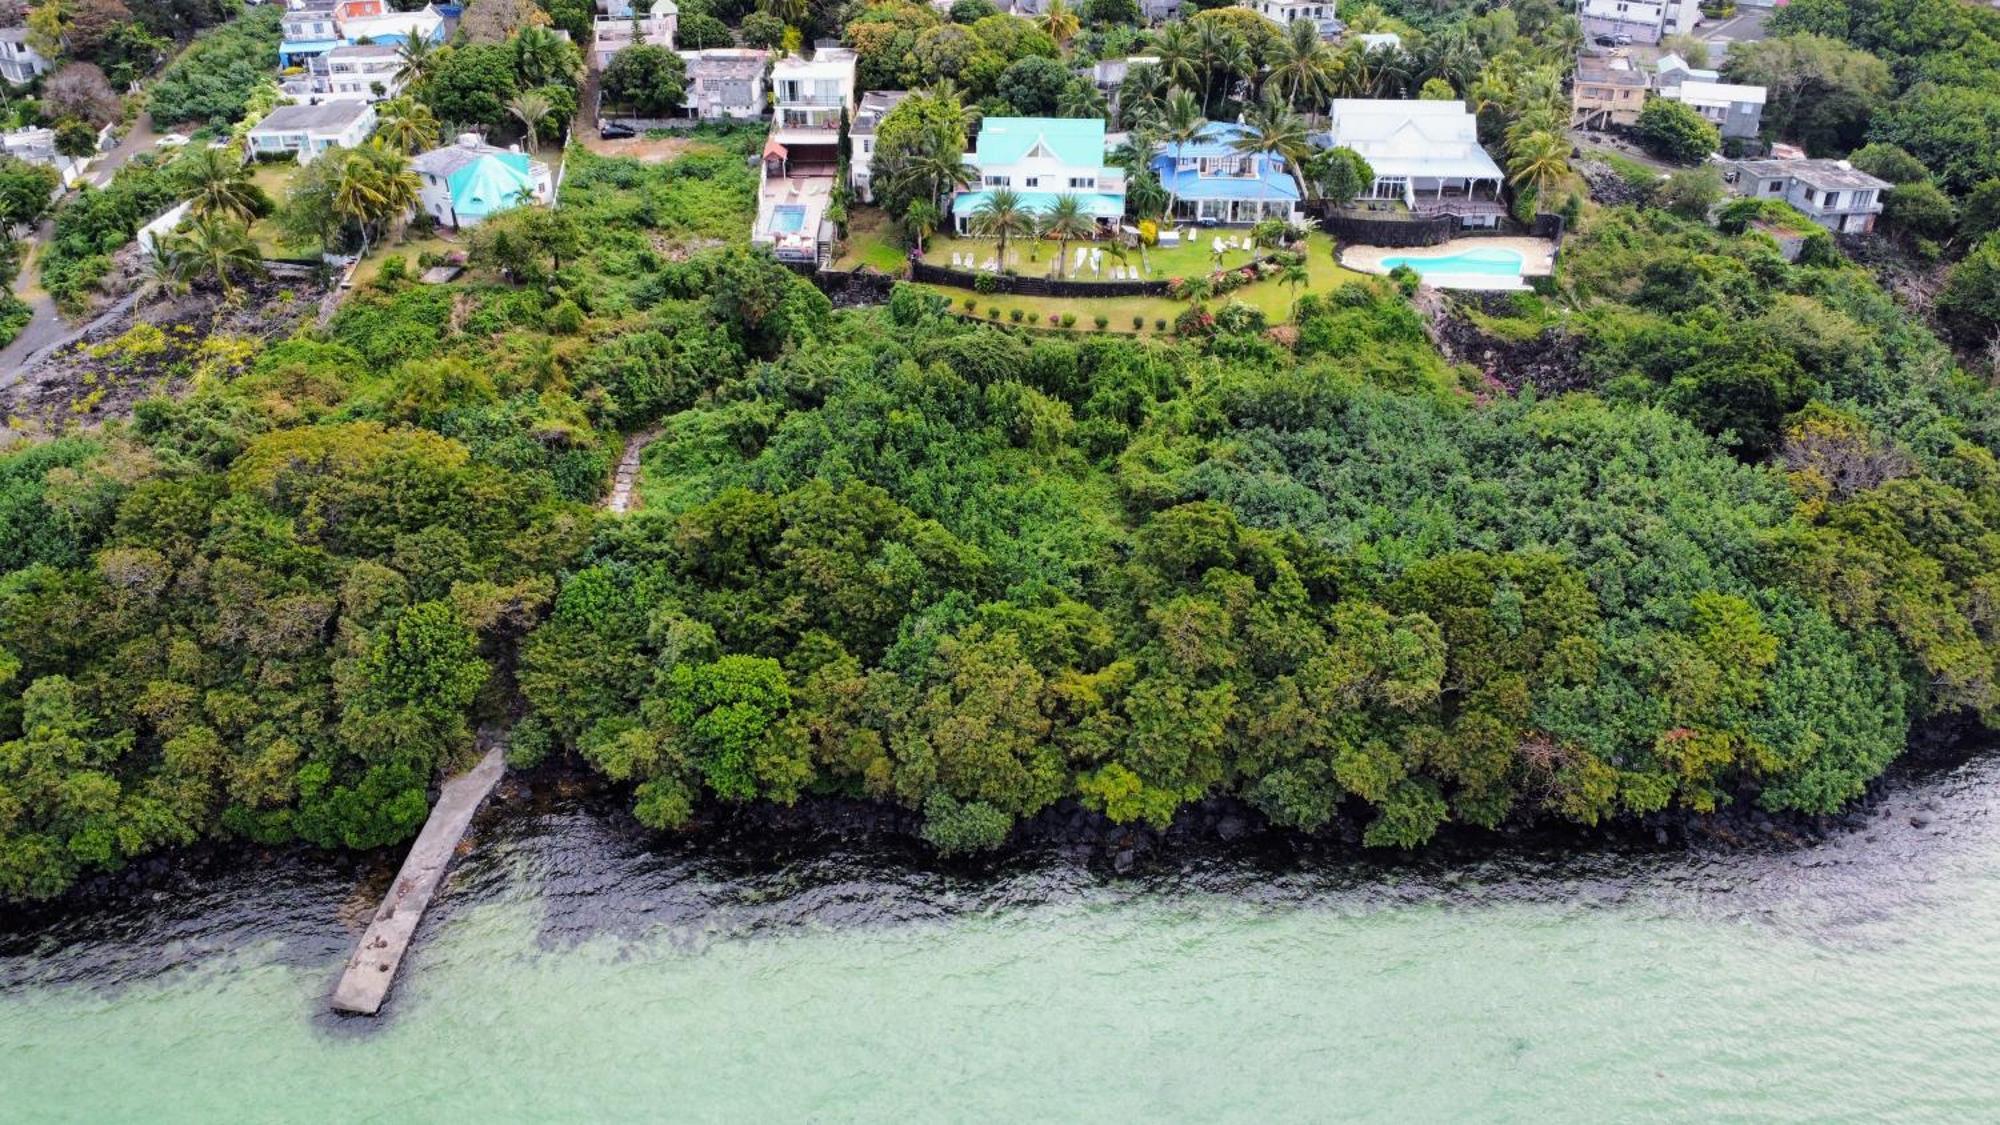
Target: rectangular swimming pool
(1494, 262)
(787, 219)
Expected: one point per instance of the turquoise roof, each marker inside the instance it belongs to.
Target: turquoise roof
(1072, 140)
(490, 184)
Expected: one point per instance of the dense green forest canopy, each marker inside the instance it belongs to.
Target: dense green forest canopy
(1729, 538)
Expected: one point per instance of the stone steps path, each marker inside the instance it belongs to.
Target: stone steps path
(625, 478)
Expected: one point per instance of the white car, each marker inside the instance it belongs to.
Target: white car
(171, 140)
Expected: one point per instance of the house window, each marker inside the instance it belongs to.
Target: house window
(1812, 195)
(996, 181)
(1832, 200)
(1082, 182)
(1032, 181)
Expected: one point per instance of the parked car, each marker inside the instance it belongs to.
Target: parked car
(1613, 40)
(615, 132)
(172, 140)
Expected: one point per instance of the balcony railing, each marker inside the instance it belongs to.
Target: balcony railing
(828, 101)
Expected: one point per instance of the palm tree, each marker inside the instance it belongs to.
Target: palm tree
(1538, 161)
(1060, 21)
(1142, 93)
(1081, 99)
(216, 247)
(1450, 55)
(417, 59)
(218, 184)
(1211, 47)
(406, 125)
(920, 219)
(932, 172)
(1347, 72)
(1065, 220)
(1179, 54)
(1295, 275)
(1001, 215)
(792, 13)
(531, 109)
(166, 267)
(372, 188)
(1301, 66)
(1272, 129)
(541, 57)
(1184, 126)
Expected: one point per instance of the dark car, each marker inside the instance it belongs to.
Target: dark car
(611, 131)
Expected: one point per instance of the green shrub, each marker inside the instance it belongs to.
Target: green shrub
(1103, 321)
(1069, 320)
(1014, 315)
(1138, 323)
(993, 312)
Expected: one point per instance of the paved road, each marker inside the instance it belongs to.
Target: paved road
(1747, 26)
(47, 327)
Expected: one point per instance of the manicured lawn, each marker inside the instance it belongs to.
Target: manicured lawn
(1272, 296)
(873, 241)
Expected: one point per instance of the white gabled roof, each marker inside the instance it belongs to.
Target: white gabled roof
(1719, 93)
(1413, 138)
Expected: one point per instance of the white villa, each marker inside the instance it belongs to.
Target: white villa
(810, 98)
(620, 25)
(351, 73)
(1040, 158)
(1285, 13)
(875, 105)
(1425, 154)
(19, 62)
(725, 83)
(306, 131)
(1646, 21)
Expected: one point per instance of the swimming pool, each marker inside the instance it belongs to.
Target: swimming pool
(1493, 262)
(787, 219)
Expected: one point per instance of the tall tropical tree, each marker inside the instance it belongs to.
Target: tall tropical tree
(933, 172)
(792, 13)
(541, 57)
(1184, 125)
(406, 125)
(416, 60)
(920, 219)
(1064, 221)
(1142, 94)
(1270, 128)
(217, 184)
(1002, 215)
(1179, 54)
(1301, 67)
(1081, 99)
(1538, 161)
(1060, 22)
(531, 108)
(217, 247)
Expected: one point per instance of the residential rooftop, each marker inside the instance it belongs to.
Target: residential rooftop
(875, 105)
(1719, 93)
(1614, 71)
(1826, 175)
(330, 115)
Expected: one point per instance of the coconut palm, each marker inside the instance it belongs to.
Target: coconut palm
(216, 183)
(1179, 54)
(1143, 93)
(1450, 55)
(932, 172)
(541, 57)
(1081, 99)
(1301, 66)
(531, 109)
(1065, 220)
(371, 188)
(1538, 161)
(406, 125)
(1295, 275)
(1060, 21)
(1183, 126)
(1001, 215)
(166, 269)
(417, 59)
(792, 13)
(216, 247)
(920, 219)
(1270, 128)
(1211, 45)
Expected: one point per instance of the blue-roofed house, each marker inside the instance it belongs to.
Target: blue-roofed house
(1041, 158)
(466, 182)
(1212, 183)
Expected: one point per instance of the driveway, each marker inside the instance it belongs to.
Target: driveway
(139, 138)
(1747, 26)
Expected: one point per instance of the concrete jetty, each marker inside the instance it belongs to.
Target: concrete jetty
(364, 985)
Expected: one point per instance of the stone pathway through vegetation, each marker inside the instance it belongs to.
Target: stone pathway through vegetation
(625, 478)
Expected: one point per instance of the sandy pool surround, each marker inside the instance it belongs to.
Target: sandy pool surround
(1538, 259)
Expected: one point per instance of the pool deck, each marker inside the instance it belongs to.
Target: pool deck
(1538, 259)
